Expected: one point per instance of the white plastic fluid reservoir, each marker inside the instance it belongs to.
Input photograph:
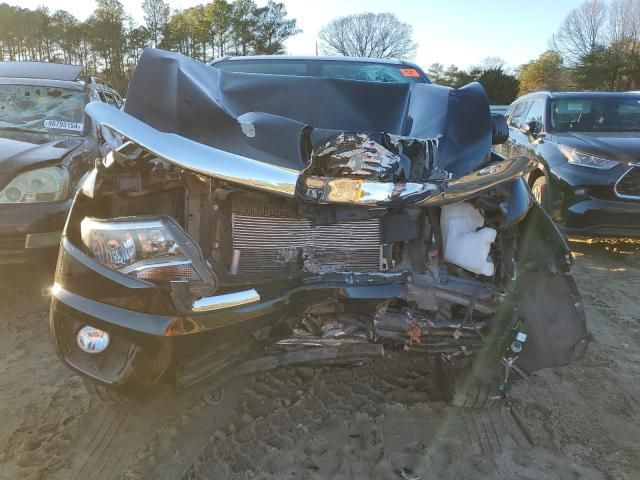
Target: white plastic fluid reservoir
(466, 242)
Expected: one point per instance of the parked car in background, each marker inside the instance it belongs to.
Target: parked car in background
(587, 146)
(47, 147)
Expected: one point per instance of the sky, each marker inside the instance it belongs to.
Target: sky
(449, 32)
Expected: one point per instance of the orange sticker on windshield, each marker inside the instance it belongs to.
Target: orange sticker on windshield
(409, 72)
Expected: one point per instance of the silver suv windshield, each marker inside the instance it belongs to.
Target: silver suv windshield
(41, 109)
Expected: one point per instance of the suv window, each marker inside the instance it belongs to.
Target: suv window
(111, 99)
(535, 115)
(518, 113)
(118, 99)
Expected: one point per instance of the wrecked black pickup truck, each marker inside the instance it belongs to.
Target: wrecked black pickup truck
(250, 221)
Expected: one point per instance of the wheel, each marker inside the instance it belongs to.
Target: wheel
(214, 397)
(540, 190)
(472, 392)
(111, 395)
(472, 386)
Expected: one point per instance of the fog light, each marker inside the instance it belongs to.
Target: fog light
(92, 340)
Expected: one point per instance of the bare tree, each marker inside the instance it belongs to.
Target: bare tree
(379, 35)
(156, 16)
(624, 21)
(493, 63)
(581, 32)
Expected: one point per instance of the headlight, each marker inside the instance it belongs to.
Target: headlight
(586, 160)
(152, 249)
(42, 185)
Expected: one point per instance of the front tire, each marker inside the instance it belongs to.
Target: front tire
(116, 395)
(108, 395)
(464, 387)
(473, 392)
(540, 190)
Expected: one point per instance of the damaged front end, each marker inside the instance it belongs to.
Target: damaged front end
(230, 234)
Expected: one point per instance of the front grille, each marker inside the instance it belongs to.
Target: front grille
(629, 184)
(277, 244)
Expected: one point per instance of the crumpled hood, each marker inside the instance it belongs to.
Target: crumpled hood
(280, 120)
(621, 146)
(16, 155)
(321, 140)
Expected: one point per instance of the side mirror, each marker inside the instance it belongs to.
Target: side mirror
(500, 129)
(533, 131)
(531, 127)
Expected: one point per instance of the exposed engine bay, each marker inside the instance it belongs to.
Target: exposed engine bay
(302, 244)
(435, 280)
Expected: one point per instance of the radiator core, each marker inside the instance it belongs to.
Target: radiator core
(279, 243)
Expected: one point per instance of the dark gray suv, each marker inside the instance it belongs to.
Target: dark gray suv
(47, 147)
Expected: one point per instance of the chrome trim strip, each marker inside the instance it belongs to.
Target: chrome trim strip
(137, 267)
(438, 192)
(196, 156)
(42, 240)
(622, 195)
(227, 300)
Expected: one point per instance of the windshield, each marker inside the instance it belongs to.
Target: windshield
(365, 71)
(605, 114)
(41, 109)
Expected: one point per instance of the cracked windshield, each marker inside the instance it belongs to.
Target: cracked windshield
(283, 239)
(41, 108)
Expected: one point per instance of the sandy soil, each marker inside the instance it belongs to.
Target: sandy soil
(580, 421)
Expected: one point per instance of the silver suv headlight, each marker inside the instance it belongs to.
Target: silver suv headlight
(152, 249)
(47, 184)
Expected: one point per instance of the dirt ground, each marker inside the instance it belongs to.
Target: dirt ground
(580, 421)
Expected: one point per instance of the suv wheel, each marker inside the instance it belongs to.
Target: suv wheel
(468, 388)
(114, 396)
(540, 190)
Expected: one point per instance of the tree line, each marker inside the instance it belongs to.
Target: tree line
(597, 46)
(499, 82)
(109, 43)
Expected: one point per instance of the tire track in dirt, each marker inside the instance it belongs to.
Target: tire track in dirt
(52, 429)
(361, 422)
(589, 411)
(367, 422)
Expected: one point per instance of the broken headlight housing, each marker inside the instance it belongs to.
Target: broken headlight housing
(151, 249)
